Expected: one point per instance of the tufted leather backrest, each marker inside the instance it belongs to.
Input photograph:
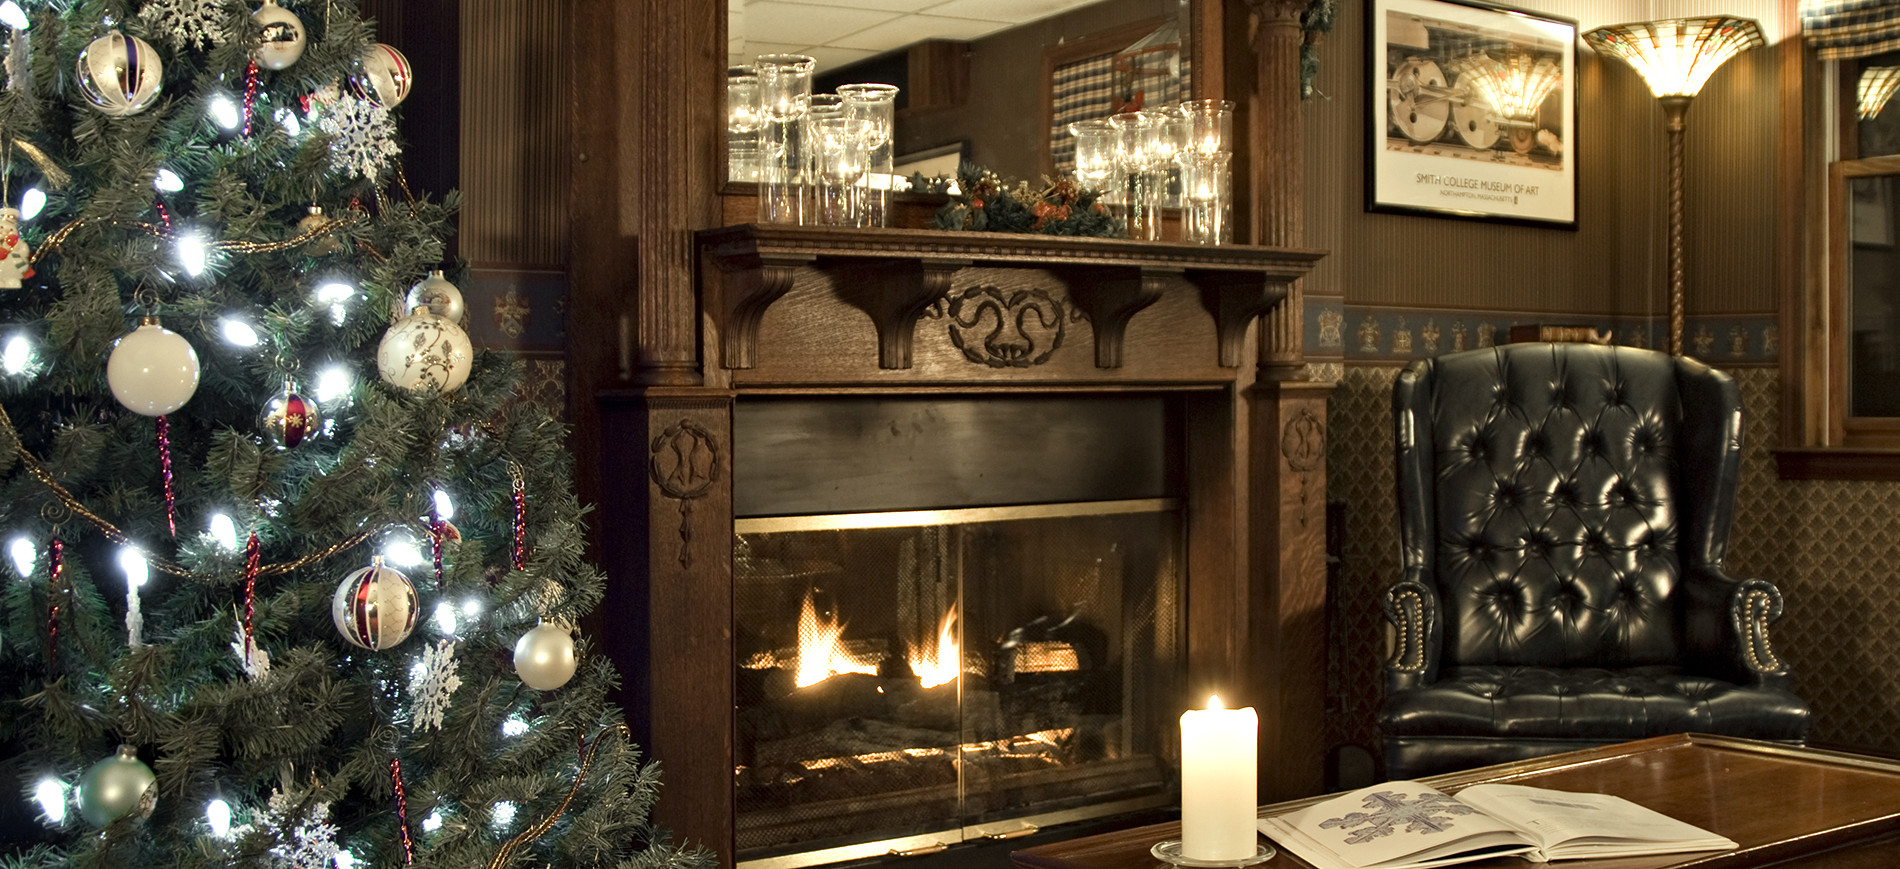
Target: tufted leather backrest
(1545, 492)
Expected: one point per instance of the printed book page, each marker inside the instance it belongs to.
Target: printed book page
(1396, 825)
(1566, 824)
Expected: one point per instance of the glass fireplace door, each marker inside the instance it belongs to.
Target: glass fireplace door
(921, 677)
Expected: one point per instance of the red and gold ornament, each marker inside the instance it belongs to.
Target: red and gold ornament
(290, 418)
(375, 607)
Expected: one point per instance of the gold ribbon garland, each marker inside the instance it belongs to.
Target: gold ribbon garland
(113, 534)
(508, 850)
(53, 241)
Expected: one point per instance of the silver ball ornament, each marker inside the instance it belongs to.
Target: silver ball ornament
(545, 658)
(152, 370)
(383, 76)
(423, 351)
(115, 787)
(283, 36)
(120, 75)
(442, 298)
(375, 607)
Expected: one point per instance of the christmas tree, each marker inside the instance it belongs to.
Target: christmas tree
(290, 568)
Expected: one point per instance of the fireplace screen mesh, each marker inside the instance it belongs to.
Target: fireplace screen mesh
(923, 672)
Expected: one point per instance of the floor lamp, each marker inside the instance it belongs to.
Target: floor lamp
(1676, 57)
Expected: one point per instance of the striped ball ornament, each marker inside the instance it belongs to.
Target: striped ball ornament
(120, 74)
(375, 607)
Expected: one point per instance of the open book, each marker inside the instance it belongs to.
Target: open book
(1407, 825)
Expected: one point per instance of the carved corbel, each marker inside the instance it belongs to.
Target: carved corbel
(1236, 299)
(1111, 297)
(747, 285)
(895, 293)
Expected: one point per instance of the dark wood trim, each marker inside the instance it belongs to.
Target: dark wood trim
(1838, 463)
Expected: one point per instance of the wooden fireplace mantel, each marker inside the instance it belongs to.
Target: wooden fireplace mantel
(752, 266)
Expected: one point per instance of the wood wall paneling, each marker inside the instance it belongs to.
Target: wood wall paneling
(514, 151)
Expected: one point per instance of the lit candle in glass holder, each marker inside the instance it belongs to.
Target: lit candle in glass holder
(1219, 795)
(1210, 125)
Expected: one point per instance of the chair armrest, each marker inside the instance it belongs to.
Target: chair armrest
(1727, 627)
(1412, 608)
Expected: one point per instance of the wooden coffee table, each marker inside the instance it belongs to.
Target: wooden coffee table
(1786, 806)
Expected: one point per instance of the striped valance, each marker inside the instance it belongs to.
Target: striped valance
(1841, 29)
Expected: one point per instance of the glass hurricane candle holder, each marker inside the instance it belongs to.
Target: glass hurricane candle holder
(1137, 154)
(1210, 126)
(742, 124)
(876, 105)
(1206, 198)
(784, 99)
(840, 148)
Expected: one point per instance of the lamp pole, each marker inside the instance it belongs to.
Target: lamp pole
(1674, 110)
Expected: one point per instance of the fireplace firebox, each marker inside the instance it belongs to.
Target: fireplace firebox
(910, 680)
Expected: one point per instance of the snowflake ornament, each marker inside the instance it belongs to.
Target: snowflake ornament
(431, 683)
(255, 661)
(303, 840)
(186, 24)
(362, 136)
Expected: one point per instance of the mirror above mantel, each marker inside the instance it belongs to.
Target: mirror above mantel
(979, 78)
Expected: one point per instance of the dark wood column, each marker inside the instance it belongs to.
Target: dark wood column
(1287, 429)
(644, 87)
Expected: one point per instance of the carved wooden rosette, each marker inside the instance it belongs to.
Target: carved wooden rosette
(684, 461)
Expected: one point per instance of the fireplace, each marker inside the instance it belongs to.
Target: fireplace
(914, 679)
(1060, 480)
(994, 645)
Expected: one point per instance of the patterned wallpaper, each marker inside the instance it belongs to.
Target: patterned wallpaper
(1826, 544)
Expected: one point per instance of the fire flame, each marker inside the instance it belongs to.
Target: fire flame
(943, 664)
(820, 650)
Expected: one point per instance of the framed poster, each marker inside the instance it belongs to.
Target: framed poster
(1473, 112)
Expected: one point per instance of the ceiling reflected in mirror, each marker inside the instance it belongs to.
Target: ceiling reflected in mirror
(841, 32)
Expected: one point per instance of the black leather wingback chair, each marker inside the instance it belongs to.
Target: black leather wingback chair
(1564, 512)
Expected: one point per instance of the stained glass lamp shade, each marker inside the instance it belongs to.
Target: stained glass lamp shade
(1676, 56)
(1877, 84)
(1514, 87)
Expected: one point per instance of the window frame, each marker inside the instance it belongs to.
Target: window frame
(1819, 439)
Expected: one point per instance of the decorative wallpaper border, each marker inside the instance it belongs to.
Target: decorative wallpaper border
(1364, 333)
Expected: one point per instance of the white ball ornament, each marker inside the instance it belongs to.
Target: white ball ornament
(423, 351)
(375, 607)
(283, 36)
(120, 75)
(117, 786)
(441, 297)
(545, 658)
(383, 76)
(152, 370)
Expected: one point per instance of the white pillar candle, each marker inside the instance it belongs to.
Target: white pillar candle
(1219, 748)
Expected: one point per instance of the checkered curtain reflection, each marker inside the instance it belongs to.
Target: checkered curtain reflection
(1842, 29)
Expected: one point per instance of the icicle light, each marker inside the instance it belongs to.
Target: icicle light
(218, 817)
(224, 532)
(24, 554)
(32, 202)
(192, 251)
(224, 112)
(238, 333)
(444, 508)
(17, 357)
(333, 385)
(51, 795)
(167, 181)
